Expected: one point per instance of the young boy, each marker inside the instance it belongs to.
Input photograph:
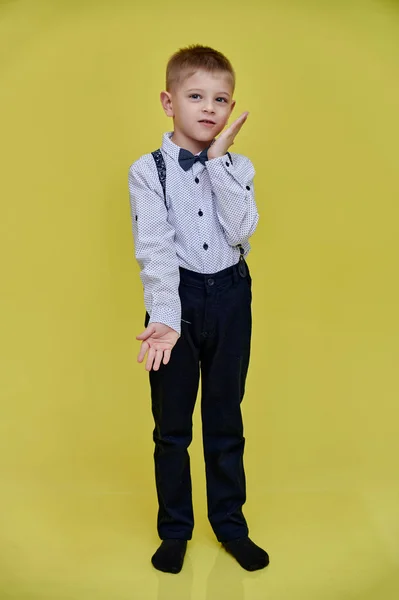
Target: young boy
(191, 239)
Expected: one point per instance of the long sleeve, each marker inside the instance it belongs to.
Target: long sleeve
(232, 186)
(154, 245)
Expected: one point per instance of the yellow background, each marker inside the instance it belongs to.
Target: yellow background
(79, 102)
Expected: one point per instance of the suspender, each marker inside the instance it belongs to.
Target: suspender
(161, 168)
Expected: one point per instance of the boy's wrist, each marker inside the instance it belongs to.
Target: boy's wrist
(218, 155)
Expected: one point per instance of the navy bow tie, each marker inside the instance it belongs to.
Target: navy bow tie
(186, 159)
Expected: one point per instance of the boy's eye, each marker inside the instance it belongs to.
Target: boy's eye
(197, 96)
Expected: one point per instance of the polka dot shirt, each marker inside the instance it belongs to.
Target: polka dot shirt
(210, 209)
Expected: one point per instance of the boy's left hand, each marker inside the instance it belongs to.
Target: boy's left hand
(159, 340)
(226, 139)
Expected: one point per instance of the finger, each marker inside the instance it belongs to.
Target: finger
(236, 126)
(243, 117)
(142, 353)
(150, 359)
(158, 360)
(166, 356)
(146, 333)
(238, 122)
(231, 132)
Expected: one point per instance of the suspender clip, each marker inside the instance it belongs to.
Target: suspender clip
(242, 266)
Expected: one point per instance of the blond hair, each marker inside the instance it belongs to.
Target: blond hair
(186, 61)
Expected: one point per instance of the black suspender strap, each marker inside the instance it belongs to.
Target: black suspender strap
(161, 168)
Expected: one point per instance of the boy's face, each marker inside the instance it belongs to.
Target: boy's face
(200, 106)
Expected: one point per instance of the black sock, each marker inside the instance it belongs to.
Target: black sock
(248, 554)
(170, 556)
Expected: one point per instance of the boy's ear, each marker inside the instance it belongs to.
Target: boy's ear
(166, 101)
(232, 106)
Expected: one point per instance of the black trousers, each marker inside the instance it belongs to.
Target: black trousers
(214, 342)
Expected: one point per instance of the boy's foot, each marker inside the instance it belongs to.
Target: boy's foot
(248, 554)
(170, 556)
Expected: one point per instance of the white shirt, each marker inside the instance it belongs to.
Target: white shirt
(210, 209)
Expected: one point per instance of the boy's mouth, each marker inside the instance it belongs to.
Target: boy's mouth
(207, 122)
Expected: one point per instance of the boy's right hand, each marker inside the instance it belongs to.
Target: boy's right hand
(158, 339)
(220, 146)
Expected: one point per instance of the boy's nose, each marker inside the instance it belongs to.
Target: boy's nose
(208, 107)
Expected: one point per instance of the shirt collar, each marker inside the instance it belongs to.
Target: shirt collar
(170, 147)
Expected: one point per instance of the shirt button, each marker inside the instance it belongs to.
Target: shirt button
(200, 213)
(211, 281)
(205, 246)
(227, 164)
(248, 188)
(196, 180)
(136, 217)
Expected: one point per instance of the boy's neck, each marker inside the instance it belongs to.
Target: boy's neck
(194, 146)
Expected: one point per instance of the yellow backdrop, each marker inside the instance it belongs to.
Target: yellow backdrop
(79, 102)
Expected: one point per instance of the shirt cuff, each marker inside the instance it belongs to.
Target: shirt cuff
(221, 167)
(163, 314)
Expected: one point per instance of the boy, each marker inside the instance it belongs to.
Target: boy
(191, 237)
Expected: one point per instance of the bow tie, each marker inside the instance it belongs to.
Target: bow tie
(186, 159)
